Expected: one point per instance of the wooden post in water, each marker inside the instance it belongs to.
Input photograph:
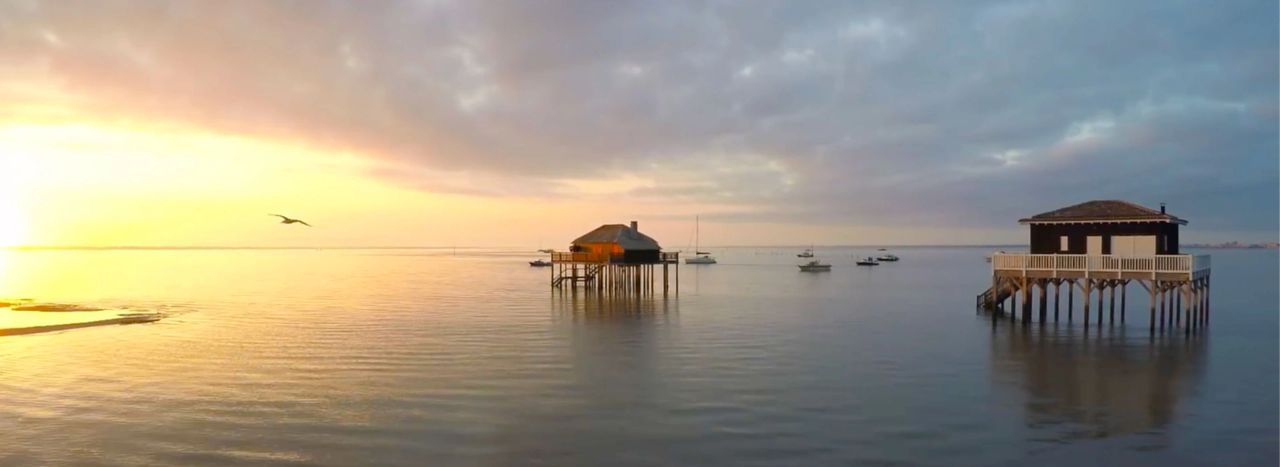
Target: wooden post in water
(1013, 301)
(1111, 315)
(1124, 287)
(1177, 306)
(1152, 302)
(1071, 298)
(1102, 290)
(1208, 300)
(1057, 295)
(1044, 299)
(1088, 289)
(1026, 300)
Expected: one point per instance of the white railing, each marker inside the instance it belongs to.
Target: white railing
(1186, 264)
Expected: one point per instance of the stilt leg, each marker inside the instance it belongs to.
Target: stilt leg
(1044, 299)
(1026, 301)
(1111, 315)
(1152, 302)
(1102, 290)
(1088, 289)
(1057, 295)
(1071, 299)
(1124, 287)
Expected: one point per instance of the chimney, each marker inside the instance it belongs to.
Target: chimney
(1161, 212)
(635, 227)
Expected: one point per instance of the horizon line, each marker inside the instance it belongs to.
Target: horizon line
(425, 247)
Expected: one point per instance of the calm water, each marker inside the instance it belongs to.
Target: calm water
(421, 357)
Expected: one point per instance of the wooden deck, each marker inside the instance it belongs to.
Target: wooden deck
(1155, 267)
(614, 274)
(1177, 287)
(596, 258)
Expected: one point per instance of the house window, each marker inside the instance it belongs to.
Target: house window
(1064, 244)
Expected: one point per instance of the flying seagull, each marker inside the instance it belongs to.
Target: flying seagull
(289, 220)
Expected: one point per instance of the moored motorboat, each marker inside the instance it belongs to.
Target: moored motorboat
(815, 266)
(868, 261)
(887, 257)
(538, 263)
(808, 253)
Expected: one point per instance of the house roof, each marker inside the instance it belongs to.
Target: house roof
(1107, 210)
(622, 235)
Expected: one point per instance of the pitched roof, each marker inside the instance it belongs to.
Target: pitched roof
(1102, 210)
(622, 235)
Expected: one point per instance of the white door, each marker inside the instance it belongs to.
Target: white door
(1122, 246)
(1144, 245)
(1094, 246)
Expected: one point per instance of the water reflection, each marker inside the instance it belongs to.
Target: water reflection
(588, 305)
(1080, 386)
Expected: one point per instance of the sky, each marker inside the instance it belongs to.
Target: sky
(506, 123)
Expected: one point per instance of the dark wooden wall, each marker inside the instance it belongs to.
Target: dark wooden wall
(641, 257)
(1044, 237)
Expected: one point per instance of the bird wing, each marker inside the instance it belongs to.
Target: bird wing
(304, 223)
(280, 216)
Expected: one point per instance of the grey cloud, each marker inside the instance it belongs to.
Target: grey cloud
(955, 113)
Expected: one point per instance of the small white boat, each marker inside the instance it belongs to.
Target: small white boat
(699, 257)
(815, 266)
(868, 261)
(808, 253)
(887, 258)
(539, 263)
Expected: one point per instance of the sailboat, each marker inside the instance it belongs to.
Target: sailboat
(700, 257)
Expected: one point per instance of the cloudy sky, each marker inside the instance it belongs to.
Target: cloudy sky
(513, 123)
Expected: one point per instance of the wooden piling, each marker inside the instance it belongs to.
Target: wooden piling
(1124, 286)
(1057, 295)
(1071, 298)
(1111, 315)
(1088, 289)
(1044, 299)
(1026, 301)
(1102, 290)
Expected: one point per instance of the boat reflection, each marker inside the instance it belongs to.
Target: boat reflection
(1080, 386)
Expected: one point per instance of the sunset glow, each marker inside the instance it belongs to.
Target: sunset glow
(447, 123)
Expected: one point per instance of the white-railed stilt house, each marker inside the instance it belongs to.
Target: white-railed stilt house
(615, 259)
(1099, 247)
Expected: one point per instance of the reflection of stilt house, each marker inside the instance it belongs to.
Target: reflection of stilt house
(613, 258)
(1098, 387)
(1102, 246)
